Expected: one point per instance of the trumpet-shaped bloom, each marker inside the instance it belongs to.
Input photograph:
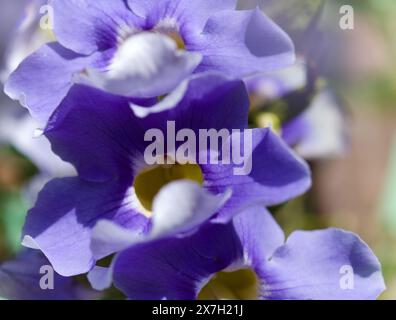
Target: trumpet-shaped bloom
(144, 48)
(247, 259)
(313, 120)
(105, 140)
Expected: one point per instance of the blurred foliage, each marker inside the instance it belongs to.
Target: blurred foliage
(15, 171)
(294, 16)
(13, 211)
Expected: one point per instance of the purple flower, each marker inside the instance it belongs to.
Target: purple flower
(145, 48)
(20, 279)
(102, 137)
(311, 121)
(27, 36)
(247, 259)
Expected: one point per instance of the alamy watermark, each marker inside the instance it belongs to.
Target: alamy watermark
(47, 19)
(47, 280)
(347, 277)
(347, 20)
(211, 146)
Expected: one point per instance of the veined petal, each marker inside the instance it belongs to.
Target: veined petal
(86, 26)
(188, 14)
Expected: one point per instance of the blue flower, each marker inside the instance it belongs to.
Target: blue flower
(105, 140)
(246, 259)
(145, 48)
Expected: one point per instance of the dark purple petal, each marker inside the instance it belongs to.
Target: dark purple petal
(211, 101)
(310, 265)
(277, 175)
(96, 132)
(60, 223)
(175, 268)
(102, 137)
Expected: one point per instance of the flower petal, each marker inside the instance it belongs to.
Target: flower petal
(325, 264)
(259, 233)
(43, 79)
(20, 133)
(112, 136)
(182, 206)
(326, 133)
(96, 132)
(179, 209)
(276, 175)
(241, 43)
(86, 26)
(145, 65)
(189, 14)
(60, 223)
(175, 268)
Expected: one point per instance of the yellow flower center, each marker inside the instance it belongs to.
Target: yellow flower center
(149, 182)
(175, 36)
(237, 285)
(268, 119)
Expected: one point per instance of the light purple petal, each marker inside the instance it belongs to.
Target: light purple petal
(240, 43)
(326, 128)
(86, 26)
(21, 134)
(274, 85)
(327, 264)
(259, 233)
(43, 79)
(189, 15)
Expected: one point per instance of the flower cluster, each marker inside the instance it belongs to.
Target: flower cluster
(188, 225)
